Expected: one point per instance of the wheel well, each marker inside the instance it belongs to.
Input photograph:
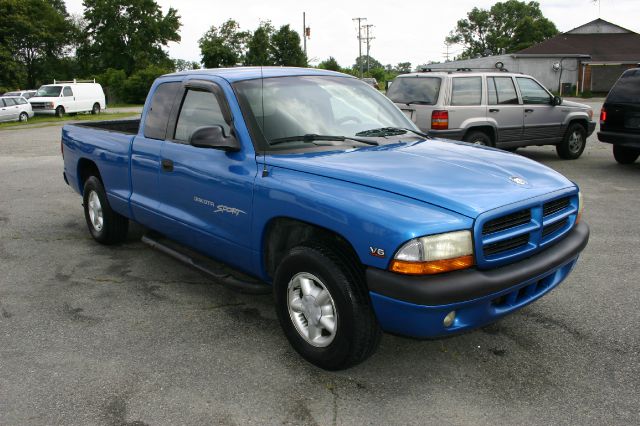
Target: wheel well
(488, 130)
(283, 234)
(580, 121)
(86, 169)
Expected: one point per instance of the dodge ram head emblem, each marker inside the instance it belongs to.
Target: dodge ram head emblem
(518, 180)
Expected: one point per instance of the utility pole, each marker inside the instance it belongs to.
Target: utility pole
(304, 32)
(360, 41)
(446, 53)
(368, 39)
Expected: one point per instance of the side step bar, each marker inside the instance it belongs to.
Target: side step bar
(221, 273)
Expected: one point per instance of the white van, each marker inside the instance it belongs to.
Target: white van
(68, 97)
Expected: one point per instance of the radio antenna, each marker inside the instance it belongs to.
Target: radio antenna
(265, 172)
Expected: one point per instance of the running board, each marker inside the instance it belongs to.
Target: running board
(221, 273)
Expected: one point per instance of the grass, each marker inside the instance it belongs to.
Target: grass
(46, 119)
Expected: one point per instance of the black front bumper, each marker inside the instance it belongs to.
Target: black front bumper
(471, 284)
(630, 140)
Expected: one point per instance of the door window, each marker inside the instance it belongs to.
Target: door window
(501, 91)
(199, 109)
(532, 92)
(67, 91)
(155, 123)
(466, 91)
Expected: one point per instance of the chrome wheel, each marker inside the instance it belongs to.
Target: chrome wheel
(312, 309)
(95, 211)
(575, 141)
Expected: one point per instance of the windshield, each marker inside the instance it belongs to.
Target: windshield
(49, 91)
(627, 89)
(316, 105)
(415, 90)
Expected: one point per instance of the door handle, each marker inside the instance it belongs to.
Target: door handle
(167, 165)
(494, 110)
(528, 110)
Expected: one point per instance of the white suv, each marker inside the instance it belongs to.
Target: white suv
(501, 109)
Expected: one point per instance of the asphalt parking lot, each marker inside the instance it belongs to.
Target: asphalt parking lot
(125, 335)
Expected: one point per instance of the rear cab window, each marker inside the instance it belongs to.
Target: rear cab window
(626, 89)
(415, 90)
(466, 91)
(156, 120)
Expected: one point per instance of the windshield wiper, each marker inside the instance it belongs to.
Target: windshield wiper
(311, 137)
(390, 131)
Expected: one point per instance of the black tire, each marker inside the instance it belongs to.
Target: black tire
(114, 226)
(625, 155)
(573, 143)
(357, 332)
(24, 117)
(60, 111)
(96, 109)
(478, 137)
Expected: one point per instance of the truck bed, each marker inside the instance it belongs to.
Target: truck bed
(121, 126)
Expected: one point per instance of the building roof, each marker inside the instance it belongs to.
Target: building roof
(598, 26)
(605, 47)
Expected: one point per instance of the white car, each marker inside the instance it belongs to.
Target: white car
(15, 108)
(68, 97)
(24, 93)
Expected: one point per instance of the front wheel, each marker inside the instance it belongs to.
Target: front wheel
(573, 143)
(324, 309)
(105, 225)
(625, 155)
(60, 111)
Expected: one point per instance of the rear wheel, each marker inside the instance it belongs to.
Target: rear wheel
(96, 109)
(23, 116)
(478, 137)
(573, 143)
(60, 111)
(625, 155)
(324, 309)
(105, 225)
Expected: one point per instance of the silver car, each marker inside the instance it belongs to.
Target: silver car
(15, 109)
(500, 109)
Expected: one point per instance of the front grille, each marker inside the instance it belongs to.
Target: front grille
(506, 222)
(555, 206)
(506, 245)
(550, 229)
(37, 105)
(513, 235)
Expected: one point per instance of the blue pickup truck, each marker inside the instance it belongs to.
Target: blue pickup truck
(314, 186)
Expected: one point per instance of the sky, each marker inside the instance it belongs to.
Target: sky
(404, 30)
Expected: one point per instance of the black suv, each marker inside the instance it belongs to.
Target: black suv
(620, 117)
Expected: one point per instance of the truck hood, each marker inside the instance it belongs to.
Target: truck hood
(467, 179)
(575, 105)
(43, 98)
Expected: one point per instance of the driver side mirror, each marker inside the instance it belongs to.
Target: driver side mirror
(557, 100)
(213, 137)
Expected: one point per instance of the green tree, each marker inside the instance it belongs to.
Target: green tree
(127, 34)
(136, 87)
(286, 48)
(403, 68)
(373, 63)
(330, 64)
(504, 28)
(259, 49)
(34, 36)
(183, 65)
(224, 46)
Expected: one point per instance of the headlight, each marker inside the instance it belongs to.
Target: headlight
(434, 254)
(50, 105)
(580, 207)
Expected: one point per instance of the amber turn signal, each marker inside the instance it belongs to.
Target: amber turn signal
(432, 267)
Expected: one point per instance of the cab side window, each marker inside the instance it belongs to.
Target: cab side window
(155, 123)
(501, 91)
(199, 109)
(67, 91)
(466, 91)
(532, 92)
